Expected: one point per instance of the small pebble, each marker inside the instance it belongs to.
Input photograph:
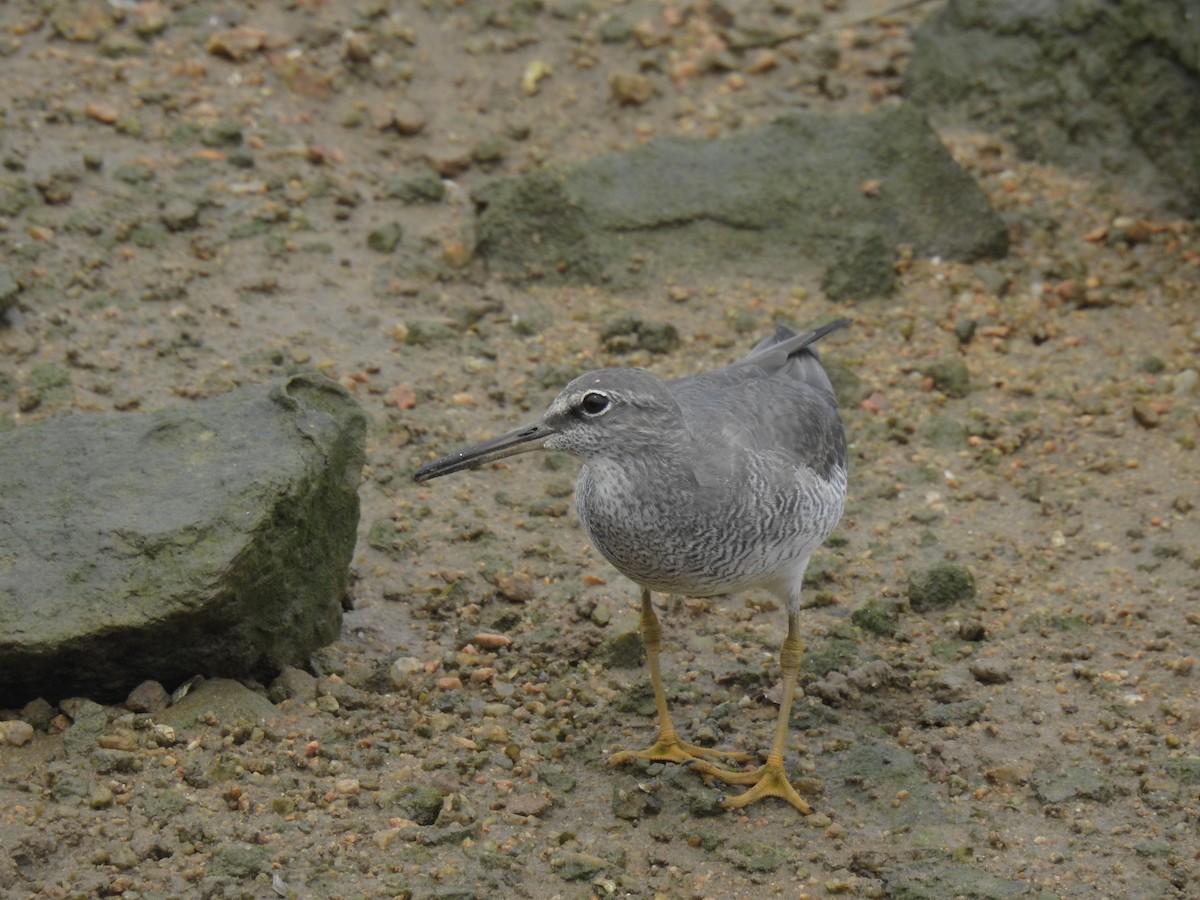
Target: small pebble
(404, 669)
(529, 804)
(488, 641)
(38, 713)
(631, 90)
(240, 43)
(15, 733)
(483, 675)
(409, 119)
(148, 697)
(990, 671)
(385, 838)
(293, 684)
(1145, 415)
(101, 797)
(514, 586)
(125, 741)
(102, 112)
(1184, 383)
(535, 71)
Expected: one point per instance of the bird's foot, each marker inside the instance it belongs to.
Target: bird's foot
(669, 748)
(769, 780)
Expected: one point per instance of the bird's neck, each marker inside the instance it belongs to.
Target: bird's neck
(663, 466)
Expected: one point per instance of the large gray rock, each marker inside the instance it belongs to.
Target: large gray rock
(213, 539)
(832, 194)
(1110, 87)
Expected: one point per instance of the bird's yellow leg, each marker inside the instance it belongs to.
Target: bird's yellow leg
(668, 747)
(770, 780)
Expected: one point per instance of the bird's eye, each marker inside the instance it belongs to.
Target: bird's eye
(594, 403)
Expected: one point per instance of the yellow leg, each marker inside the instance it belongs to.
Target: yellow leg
(668, 747)
(770, 780)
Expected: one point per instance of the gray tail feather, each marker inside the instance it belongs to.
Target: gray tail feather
(794, 353)
(791, 342)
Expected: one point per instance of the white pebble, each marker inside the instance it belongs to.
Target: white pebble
(403, 669)
(15, 733)
(1185, 382)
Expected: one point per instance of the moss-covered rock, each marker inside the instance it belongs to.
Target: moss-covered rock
(1113, 88)
(755, 202)
(939, 586)
(211, 539)
(881, 617)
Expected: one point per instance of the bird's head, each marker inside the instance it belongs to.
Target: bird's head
(607, 413)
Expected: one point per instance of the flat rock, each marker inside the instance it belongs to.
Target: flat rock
(1111, 88)
(939, 877)
(830, 195)
(873, 772)
(1074, 783)
(209, 539)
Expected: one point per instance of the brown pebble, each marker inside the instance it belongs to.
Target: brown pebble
(84, 23)
(409, 119)
(119, 740)
(631, 90)
(449, 161)
(402, 396)
(357, 47)
(488, 641)
(385, 838)
(763, 61)
(1145, 415)
(483, 675)
(150, 18)
(529, 804)
(238, 44)
(1010, 773)
(514, 586)
(148, 697)
(101, 798)
(102, 112)
(456, 254)
(990, 671)
(449, 683)
(382, 117)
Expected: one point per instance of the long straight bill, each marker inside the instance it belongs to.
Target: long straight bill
(519, 440)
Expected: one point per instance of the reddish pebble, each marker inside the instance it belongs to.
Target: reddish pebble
(403, 397)
(489, 641)
(102, 112)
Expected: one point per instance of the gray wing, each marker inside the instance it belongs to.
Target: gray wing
(772, 410)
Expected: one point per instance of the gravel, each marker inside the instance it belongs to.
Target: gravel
(1038, 736)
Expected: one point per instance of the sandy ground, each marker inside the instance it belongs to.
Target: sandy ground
(200, 196)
